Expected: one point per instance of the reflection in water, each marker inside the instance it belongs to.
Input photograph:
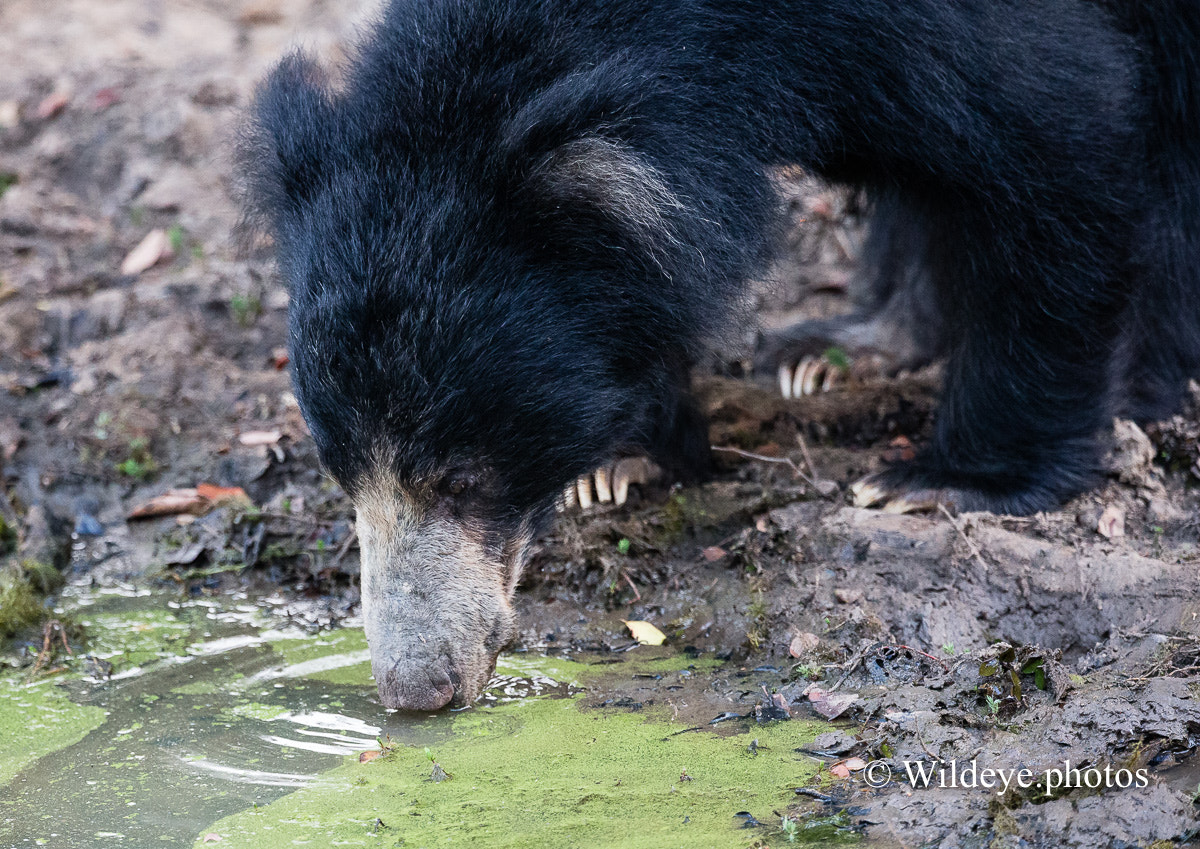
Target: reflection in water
(241, 775)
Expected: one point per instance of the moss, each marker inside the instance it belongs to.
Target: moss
(8, 537)
(43, 576)
(20, 607)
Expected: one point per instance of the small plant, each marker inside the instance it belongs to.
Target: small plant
(245, 308)
(175, 238)
(837, 357)
(140, 464)
(993, 705)
(789, 827)
(623, 545)
(948, 649)
(808, 671)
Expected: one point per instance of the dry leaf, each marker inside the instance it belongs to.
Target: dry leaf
(222, 494)
(714, 553)
(855, 764)
(831, 705)
(1112, 522)
(368, 756)
(213, 838)
(644, 632)
(839, 770)
(900, 450)
(171, 503)
(802, 643)
(52, 105)
(104, 98)
(152, 250)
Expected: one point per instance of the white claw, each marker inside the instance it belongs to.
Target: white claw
(812, 370)
(623, 476)
(831, 378)
(898, 506)
(866, 493)
(603, 491)
(785, 381)
(620, 488)
(798, 380)
(584, 487)
(630, 471)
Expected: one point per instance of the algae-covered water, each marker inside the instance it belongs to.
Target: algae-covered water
(219, 726)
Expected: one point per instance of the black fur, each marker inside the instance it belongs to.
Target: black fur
(510, 226)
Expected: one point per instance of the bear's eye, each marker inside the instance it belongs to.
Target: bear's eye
(459, 483)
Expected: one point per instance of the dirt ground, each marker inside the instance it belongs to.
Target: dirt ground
(1008, 643)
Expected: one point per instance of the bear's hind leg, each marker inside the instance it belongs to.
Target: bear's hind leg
(1032, 309)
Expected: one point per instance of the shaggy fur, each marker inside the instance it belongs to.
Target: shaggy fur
(510, 227)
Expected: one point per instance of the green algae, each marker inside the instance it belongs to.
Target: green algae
(130, 638)
(231, 730)
(335, 657)
(37, 719)
(544, 772)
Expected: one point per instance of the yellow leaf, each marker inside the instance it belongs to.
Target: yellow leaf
(644, 632)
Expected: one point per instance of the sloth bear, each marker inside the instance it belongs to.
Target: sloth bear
(508, 227)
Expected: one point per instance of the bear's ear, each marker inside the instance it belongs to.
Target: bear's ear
(595, 177)
(286, 149)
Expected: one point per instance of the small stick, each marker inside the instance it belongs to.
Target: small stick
(351, 538)
(637, 596)
(786, 461)
(954, 522)
(808, 461)
(903, 647)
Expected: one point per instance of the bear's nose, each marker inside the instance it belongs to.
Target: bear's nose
(420, 689)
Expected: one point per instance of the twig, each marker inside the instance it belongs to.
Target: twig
(975, 552)
(901, 647)
(637, 596)
(808, 461)
(853, 664)
(763, 458)
(48, 631)
(351, 538)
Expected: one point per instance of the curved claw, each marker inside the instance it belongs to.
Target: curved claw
(786, 376)
(808, 376)
(871, 491)
(868, 492)
(609, 484)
